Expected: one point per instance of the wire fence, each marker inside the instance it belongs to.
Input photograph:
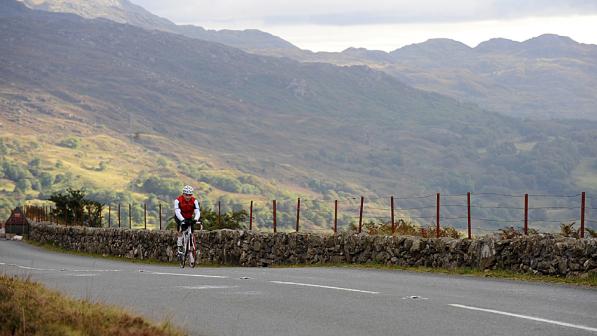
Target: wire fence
(470, 213)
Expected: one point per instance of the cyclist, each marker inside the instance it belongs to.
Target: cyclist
(187, 212)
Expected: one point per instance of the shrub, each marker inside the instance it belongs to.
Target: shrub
(70, 142)
(404, 228)
(73, 207)
(162, 186)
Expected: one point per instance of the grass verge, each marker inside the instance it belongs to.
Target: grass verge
(57, 249)
(28, 308)
(590, 281)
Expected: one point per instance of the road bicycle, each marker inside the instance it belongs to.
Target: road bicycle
(189, 245)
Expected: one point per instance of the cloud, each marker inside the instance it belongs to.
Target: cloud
(358, 12)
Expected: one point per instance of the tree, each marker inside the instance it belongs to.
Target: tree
(229, 220)
(72, 207)
(34, 166)
(23, 185)
(46, 179)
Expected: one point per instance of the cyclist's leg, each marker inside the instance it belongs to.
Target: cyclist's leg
(179, 233)
(193, 244)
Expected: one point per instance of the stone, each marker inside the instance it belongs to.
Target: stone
(547, 254)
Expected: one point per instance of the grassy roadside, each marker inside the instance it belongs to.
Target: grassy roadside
(54, 248)
(28, 308)
(590, 281)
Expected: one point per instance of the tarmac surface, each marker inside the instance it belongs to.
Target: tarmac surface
(312, 300)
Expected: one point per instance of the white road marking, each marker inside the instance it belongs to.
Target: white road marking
(33, 268)
(538, 319)
(321, 286)
(190, 275)
(82, 275)
(56, 270)
(207, 287)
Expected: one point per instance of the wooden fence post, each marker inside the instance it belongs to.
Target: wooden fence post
(145, 215)
(298, 213)
(251, 216)
(335, 216)
(392, 213)
(468, 203)
(130, 217)
(437, 226)
(582, 215)
(118, 215)
(274, 208)
(219, 215)
(526, 214)
(361, 215)
(160, 214)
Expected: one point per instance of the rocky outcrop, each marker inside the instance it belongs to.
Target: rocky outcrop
(539, 254)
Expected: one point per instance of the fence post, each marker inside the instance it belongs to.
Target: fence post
(335, 216)
(582, 215)
(219, 215)
(298, 213)
(109, 216)
(437, 226)
(361, 215)
(251, 216)
(393, 223)
(118, 215)
(274, 207)
(130, 217)
(526, 214)
(468, 203)
(145, 215)
(160, 214)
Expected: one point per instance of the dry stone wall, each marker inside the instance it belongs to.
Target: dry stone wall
(539, 254)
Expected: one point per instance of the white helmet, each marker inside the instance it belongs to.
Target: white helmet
(187, 190)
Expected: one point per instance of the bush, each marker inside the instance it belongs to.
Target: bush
(225, 183)
(70, 142)
(46, 180)
(162, 186)
(73, 207)
(404, 228)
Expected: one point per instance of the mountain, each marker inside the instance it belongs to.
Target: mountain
(547, 77)
(123, 11)
(443, 50)
(250, 126)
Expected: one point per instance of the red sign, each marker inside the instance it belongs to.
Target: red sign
(17, 215)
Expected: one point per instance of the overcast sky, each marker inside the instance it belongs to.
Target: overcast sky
(334, 25)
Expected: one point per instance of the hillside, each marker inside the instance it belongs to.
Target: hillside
(278, 126)
(547, 77)
(124, 11)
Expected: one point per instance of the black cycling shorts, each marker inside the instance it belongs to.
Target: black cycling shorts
(184, 225)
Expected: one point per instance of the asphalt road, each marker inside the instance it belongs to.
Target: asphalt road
(312, 301)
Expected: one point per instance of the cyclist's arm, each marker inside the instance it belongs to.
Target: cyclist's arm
(177, 211)
(197, 213)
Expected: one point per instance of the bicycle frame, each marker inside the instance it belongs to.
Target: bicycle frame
(189, 248)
